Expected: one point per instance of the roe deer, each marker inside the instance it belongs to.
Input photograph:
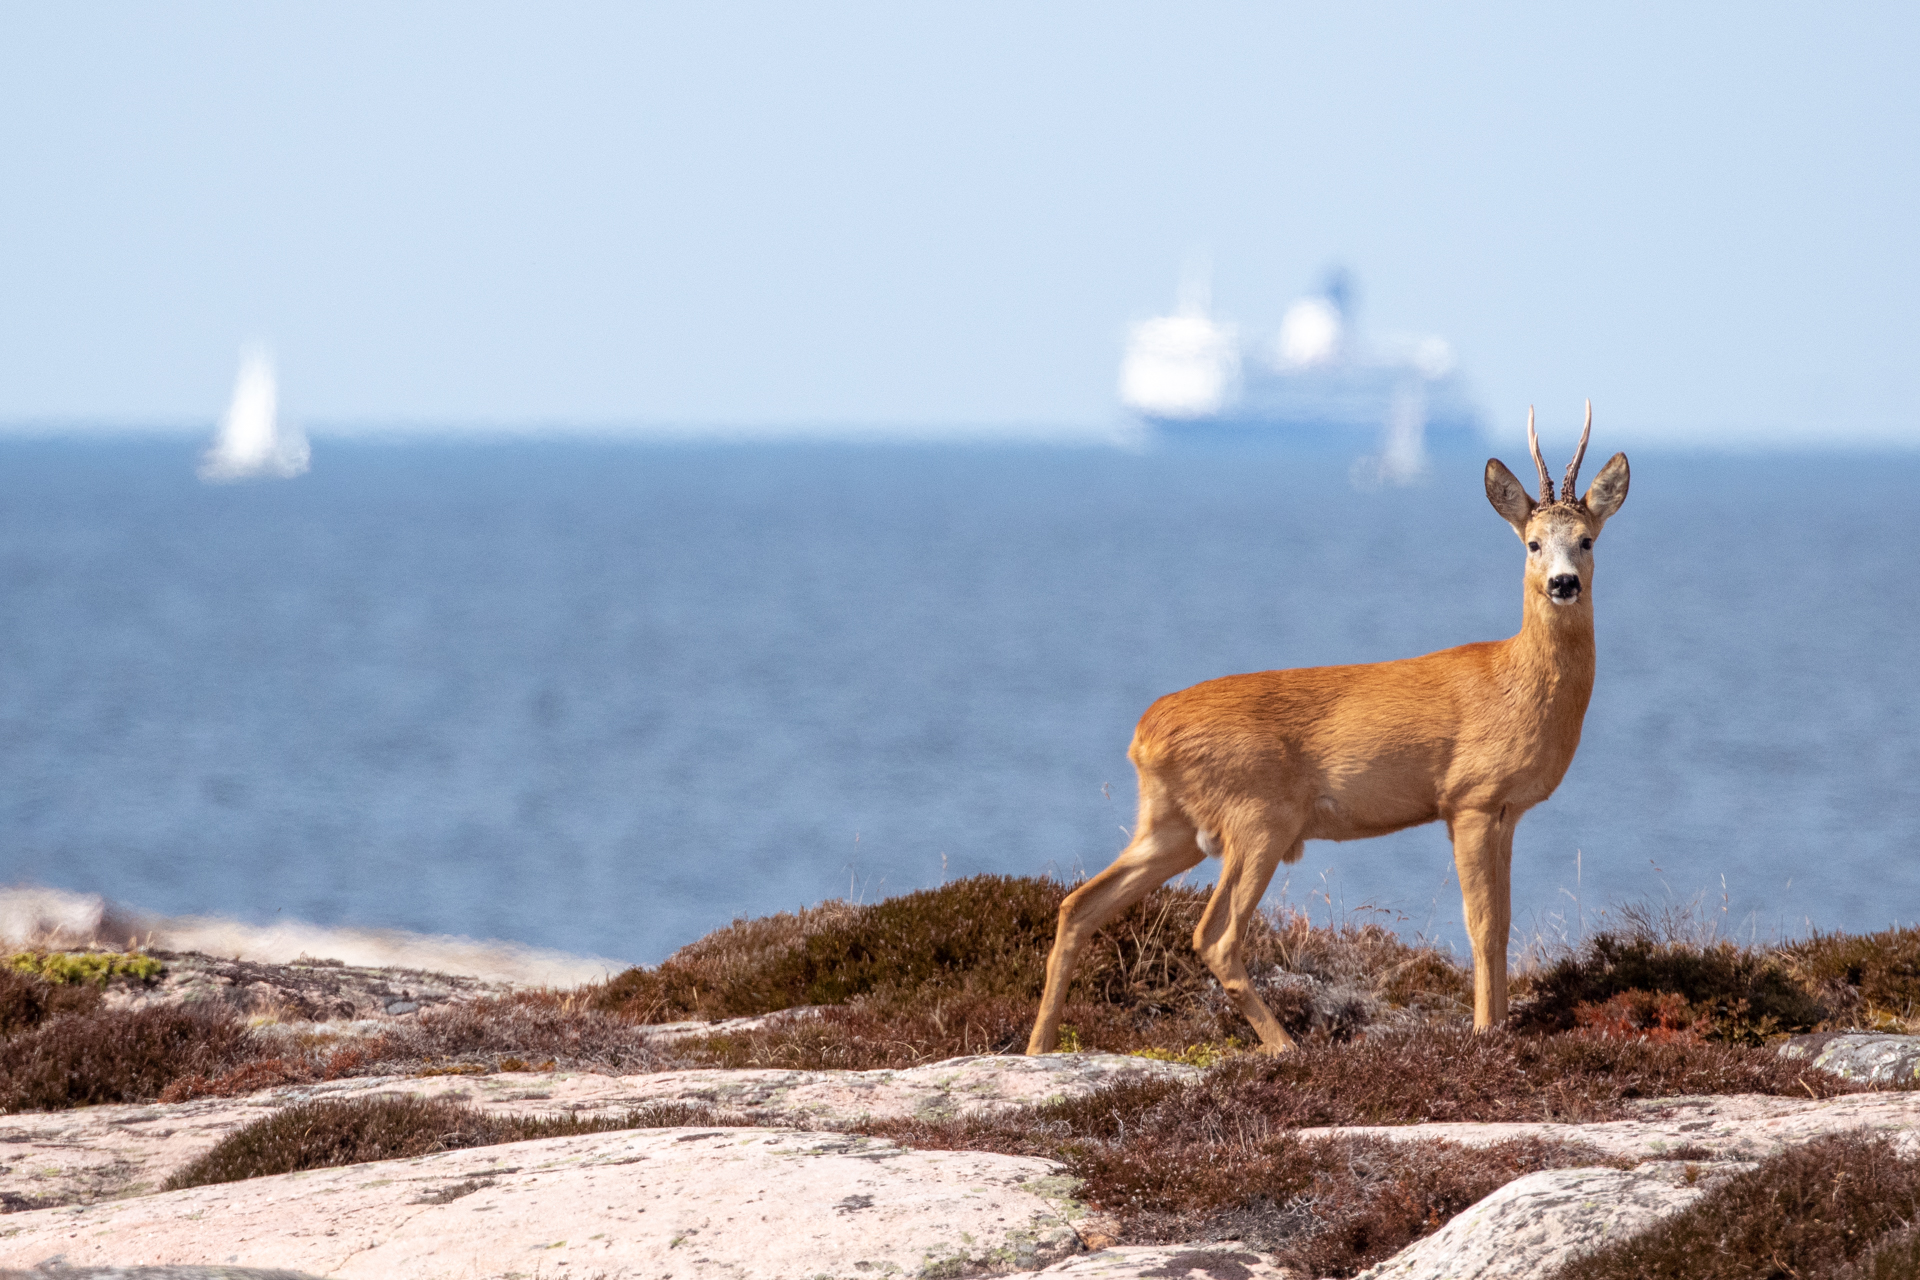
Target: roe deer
(1248, 767)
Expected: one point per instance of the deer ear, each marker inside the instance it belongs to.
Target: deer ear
(1608, 490)
(1509, 497)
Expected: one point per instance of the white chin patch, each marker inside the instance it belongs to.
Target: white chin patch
(1572, 599)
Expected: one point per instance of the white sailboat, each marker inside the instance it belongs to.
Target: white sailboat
(252, 441)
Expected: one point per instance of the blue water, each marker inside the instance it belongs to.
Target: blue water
(605, 697)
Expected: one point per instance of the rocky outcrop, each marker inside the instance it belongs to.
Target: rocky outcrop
(291, 998)
(56, 919)
(733, 1203)
(1854, 1055)
(154, 1273)
(98, 1153)
(1531, 1226)
(715, 1193)
(1712, 1128)
(1170, 1262)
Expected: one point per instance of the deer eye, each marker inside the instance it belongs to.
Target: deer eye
(1533, 546)
(1586, 544)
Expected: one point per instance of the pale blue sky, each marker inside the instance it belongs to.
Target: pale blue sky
(946, 216)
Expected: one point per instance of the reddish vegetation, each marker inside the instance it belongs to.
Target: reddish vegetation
(1714, 989)
(1663, 1018)
(255, 1074)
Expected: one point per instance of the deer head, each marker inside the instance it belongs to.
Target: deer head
(1559, 532)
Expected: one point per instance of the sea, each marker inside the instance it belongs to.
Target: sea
(603, 696)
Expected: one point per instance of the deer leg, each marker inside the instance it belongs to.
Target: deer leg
(1246, 867)
(1483, 854)
(1164, 846)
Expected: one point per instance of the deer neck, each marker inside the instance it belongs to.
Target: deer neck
(1552, 659)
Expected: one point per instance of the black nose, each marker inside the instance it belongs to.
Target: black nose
(1563, 586)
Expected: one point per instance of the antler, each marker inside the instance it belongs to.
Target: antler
(1573, 468)
(1533, 443)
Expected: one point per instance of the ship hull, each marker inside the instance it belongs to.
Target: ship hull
(1360, 407)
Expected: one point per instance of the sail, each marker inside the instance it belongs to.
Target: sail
(252, 441)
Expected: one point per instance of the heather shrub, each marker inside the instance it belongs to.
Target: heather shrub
(300, 1065)
(330, 1133)
(1870, 978)
(1735, 994)
(526, 1028)
(1808, 1211)
(27, 1000)
(525, 1031)
(868, 1035)
(1443, 1074)
(985, 935)
(1894, 1256)
(116, 1055)
(1453, 1073)
(974, 942)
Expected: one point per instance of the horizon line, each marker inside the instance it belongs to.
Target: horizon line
(1121, 433)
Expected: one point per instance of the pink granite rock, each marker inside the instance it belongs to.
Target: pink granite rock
(735, 1203)
(97, 1153)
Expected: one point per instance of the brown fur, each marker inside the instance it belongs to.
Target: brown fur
(1472, 736)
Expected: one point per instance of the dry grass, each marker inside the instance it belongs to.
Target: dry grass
(327, 1134)
(1810, 1211)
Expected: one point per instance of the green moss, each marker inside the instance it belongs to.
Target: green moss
(1196, 1055)
(90, 968)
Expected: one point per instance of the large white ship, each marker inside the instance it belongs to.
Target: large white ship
(1190, 375)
